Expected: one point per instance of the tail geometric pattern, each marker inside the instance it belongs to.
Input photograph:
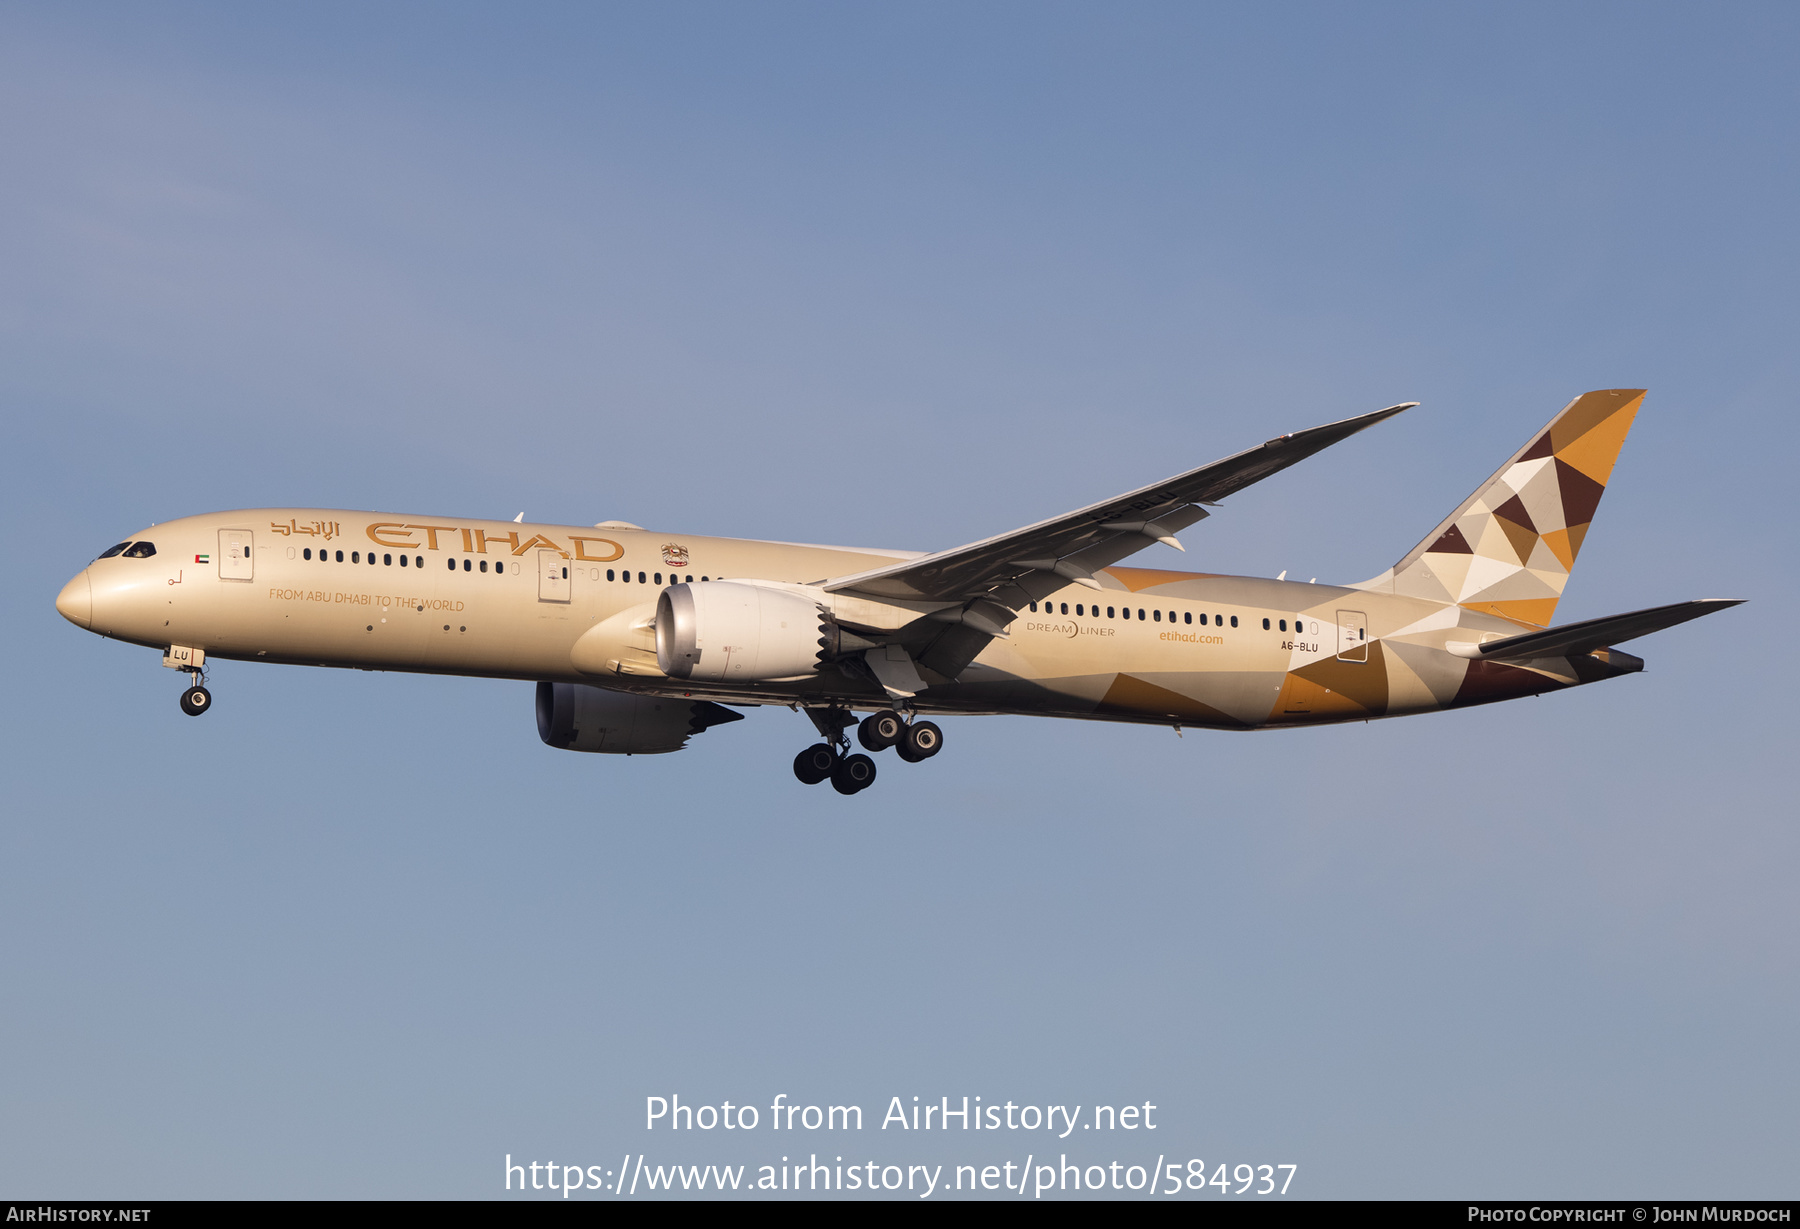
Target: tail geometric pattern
(1509, 548)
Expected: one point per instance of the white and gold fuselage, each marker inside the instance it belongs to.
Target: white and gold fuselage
(499, 599)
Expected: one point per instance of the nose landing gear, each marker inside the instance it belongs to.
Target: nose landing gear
(831, 760)
(191, 662)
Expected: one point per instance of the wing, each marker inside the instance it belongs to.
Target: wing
(980, 588)
(1030, 563)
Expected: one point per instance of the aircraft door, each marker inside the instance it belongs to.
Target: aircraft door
(1353, 635)
(553, 576)
(235, 561)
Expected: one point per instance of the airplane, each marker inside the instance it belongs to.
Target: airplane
(639, 640)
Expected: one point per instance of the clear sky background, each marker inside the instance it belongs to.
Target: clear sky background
(897, 276)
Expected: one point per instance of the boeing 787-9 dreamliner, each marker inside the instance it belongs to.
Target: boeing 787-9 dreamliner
(638, 640)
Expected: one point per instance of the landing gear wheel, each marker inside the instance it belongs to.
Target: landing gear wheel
(812, 765)
(881, 731)
(195, 700)
(921, 741)
(853, 773)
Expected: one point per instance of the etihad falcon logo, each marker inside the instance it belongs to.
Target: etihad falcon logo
(674, 555)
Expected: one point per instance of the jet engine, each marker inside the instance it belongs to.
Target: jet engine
(576, 717)
(732, 631)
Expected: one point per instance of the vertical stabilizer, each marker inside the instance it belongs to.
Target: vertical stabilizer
(1509, 548)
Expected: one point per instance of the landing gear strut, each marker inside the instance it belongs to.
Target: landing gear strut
(849, 774)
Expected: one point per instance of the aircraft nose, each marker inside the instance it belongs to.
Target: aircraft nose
(76, 601)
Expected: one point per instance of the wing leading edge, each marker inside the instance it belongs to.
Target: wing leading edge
(1027, 564)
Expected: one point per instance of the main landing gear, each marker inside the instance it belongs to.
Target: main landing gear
(912, 741)
(849, 774)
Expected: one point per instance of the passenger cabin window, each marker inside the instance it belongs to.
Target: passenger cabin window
(484, 565)
(1234, 620)
(113, 550)
(1110, 614)
(340, 556)
(307, 554)
(1284, 625)
(609, 573)
(140, 550)
(355, 558)
(403, 561)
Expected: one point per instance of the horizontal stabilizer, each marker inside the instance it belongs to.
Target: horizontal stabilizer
(1578, 638)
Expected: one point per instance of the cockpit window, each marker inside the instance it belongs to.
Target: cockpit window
(141, 550)
(110, 551)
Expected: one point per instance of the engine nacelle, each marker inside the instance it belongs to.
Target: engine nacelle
(738, 632)
(576, 717)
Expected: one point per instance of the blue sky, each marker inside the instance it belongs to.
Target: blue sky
(900, 277)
